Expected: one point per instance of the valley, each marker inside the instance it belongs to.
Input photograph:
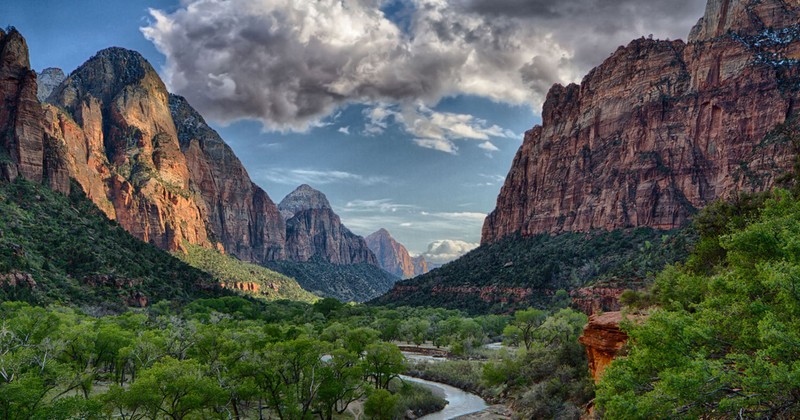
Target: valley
(641, 259)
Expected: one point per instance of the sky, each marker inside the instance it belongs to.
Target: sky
(405, 113)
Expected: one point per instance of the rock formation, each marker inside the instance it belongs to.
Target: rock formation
(661, 128)
(421, 266)
(238, 213)
(394, 257)
(603, 339)
(112, 117)
(315, 232)
(47, 81)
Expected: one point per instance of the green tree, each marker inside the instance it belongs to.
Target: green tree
(382, 363)
(382, 405)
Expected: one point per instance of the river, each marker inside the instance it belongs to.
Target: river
(459, 402)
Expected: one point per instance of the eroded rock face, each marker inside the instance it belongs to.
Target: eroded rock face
(394, 257)
(21, 146)
(48, 80)
(603, 339)
(661, 128)
(314, 231)
(240, 215)
(132, 163)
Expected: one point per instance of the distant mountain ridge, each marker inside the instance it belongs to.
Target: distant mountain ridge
(394, 257)
(149, 161)
(315, 232)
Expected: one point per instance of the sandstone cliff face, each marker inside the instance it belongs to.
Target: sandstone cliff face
(660, 128)
(314, 231)
(603, 339)
(24, 149)
(394, 257)
(239, 214)
(124, 150)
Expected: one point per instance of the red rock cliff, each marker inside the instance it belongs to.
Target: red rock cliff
(394, 257)
(603, 339)
(660, 128)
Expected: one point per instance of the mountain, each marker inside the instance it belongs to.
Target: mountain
(598, 195)
(345, 282)
(49, 79)
(394, 257)
(589, 269)
(661, 128)
(59, 249)
(315, 232)
(243, 277)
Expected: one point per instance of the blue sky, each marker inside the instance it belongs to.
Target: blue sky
(405, 113)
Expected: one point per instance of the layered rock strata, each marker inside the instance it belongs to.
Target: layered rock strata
(661, 128)
(315, 232)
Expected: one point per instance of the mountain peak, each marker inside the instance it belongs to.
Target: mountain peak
(47, 81)
(302, 198)
(744, 17)
(380, 233)
(393, 256)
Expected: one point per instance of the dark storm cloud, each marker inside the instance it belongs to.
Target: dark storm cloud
(290, 63)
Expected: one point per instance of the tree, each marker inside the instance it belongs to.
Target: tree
(383, 362)
(382, 405)
(174, 388)
(523, 326)
(342, 383)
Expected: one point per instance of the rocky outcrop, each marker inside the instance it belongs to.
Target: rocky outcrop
(239, 215)
(315, 232)
(21, 146)
(421, 266)
(394, 257)
(661, 128)
(603, 339)
(123, 148)
(47, 81)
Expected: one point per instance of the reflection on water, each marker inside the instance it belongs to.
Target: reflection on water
(459, 403)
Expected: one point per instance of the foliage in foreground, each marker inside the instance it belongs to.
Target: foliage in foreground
(232, 272)
(724, 340)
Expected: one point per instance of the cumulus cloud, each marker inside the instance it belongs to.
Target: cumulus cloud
(432, 129)
(315, 177)
(290, 63)
(344, 130)
(446, 250)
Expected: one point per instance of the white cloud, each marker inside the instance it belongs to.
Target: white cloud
(488, 146)
(344, 130)
(446, 250)
(290, 63)
(315, 177)
(442, 145)
(382, 205)
(432, 129)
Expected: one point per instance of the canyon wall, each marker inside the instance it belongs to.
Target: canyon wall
(661, 128)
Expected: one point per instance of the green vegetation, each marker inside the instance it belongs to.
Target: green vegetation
(723, 333)
(64, 250)
(348, 283)
(232, 272)
(233, 357)
(545, 263)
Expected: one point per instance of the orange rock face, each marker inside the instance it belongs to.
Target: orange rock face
(603, 339)
(661, 128)
(394, 257)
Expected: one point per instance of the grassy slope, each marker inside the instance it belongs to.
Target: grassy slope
(65, 243)
(227, 269)
(567, 261)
